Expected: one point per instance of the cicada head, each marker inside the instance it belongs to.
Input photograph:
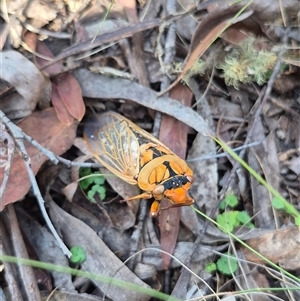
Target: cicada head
(175, 190)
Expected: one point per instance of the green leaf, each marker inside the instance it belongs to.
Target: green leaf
(90, 196)
(99, 180)
(211, 267)
(227, 265)
(84, 171)
(99, 189)
(222, 205)
(243, 217)
(78, 254)
(277, 203)
(225, 223)
(231, 200)
(102, 193)
(85, 183)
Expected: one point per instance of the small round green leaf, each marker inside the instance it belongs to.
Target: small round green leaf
(211, 267)
(243, 217)
(78, 254)
(227, 265)
(231, 200)
(90, 195)
(99, 180)
(224, 223)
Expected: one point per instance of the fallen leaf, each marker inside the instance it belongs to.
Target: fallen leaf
(173, 133)
(280, 246)
(99, 86)
(46, 246)
(26, 79)
(66, 92)
(99, 258)
(60, 108)
(50, 132)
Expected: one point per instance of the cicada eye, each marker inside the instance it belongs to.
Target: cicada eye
(158, 192)
(190, 178)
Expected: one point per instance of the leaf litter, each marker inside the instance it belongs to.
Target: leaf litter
(138, 41)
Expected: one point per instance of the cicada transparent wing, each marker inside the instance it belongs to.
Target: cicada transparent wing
(114, 145)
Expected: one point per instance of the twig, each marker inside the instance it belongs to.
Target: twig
(19, 137)
(207, 157)
(52, 157)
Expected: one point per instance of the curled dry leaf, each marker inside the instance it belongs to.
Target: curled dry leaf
(50, 132)
(67, 99)
(66, 92)
(26, 79)
(40, 14)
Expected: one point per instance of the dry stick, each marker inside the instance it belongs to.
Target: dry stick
(19, 136)
(264, 95)
(52, 157)
(8, 141)
(225, 154)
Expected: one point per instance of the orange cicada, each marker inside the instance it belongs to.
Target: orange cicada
(138, 158)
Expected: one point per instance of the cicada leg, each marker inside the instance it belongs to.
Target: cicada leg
(145, 195)
(155, 208)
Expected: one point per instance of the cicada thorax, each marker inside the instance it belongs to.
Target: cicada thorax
(138, 158)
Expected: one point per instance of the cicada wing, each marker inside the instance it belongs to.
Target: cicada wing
(113, 144)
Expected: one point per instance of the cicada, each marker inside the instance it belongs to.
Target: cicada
(140, 159)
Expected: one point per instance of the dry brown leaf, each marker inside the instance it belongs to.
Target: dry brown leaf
(173, 133)
(253, 279)
(50, 132)
(46, 246)
(66, 92)
(205, 186)
(61, 110)
(27, 80)
(42, 49)
(98, 86)
(280, 246)
(70, 93)
(100, 259)
(263, 159)
(39, 13)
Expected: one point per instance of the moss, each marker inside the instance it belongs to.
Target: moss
(247, 64)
